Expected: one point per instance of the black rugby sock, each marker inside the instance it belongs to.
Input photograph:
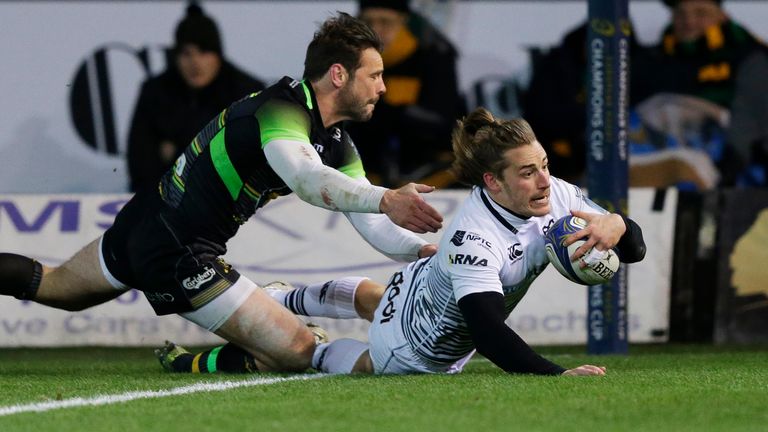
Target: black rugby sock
(19, 276)
(227, 358)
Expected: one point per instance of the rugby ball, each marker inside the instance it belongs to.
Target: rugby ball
(599, 271)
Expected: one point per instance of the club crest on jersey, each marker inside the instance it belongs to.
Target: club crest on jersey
(515, 252)
(458, 237)
(467, 259)
(196, 281)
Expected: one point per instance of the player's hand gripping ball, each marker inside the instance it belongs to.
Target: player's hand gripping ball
(600, 265)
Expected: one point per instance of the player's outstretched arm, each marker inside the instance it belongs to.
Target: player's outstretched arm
(407, 208)
(586, 370)
(302, 170)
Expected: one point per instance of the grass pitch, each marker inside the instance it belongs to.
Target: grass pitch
(656, 388)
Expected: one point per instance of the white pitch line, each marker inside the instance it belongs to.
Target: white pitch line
(147, 394)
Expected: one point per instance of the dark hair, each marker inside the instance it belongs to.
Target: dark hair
(340, 39)
(479, 144)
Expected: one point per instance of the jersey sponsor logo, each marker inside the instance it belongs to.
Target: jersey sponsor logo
(156, 297)
(393, 290)
(477, 239)
(467, 259)
(196, 281)
(318, 148)
(515, 252)
(336, 134)
(460, 237)
(294, 83)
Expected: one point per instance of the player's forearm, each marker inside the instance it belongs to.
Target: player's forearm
(493, 339)
(631, 247)
(378, 230)
(302, 170)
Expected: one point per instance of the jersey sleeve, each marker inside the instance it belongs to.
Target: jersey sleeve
(472, 263)
(283, 120)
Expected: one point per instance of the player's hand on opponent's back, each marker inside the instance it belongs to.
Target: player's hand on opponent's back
(586, 370)
(406, 207)
(427, 250)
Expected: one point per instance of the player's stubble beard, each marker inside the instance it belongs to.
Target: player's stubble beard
(352, 107)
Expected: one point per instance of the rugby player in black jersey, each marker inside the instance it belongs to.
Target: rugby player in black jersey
(168, 242)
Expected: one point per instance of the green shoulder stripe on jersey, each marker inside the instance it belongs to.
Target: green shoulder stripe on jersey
(282, 120)
(354, 170)
(224, 166)
(308, 95)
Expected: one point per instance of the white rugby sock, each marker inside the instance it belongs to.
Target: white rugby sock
(332, 299)
(339, 356)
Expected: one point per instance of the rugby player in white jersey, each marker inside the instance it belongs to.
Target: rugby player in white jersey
(436, 311)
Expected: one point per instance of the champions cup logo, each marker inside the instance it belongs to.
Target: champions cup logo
(194, 282)
(603, 27)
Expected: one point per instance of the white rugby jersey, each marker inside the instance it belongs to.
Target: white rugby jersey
(484, 248)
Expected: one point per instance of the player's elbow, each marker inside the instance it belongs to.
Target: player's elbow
(312, 187)
(633, 254)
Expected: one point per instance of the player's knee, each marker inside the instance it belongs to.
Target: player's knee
(367, 298)
(293, 356)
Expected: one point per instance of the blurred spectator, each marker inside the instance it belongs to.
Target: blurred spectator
(700, 52)
(172, 107)
(681, 93)
(748, 132)
(408, 137)
(694, 74)
(555, 101)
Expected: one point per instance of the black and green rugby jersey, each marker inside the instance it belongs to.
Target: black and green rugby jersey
(223, 175)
